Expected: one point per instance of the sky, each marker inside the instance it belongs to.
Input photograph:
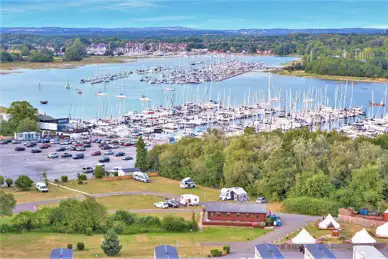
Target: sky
(200, 14)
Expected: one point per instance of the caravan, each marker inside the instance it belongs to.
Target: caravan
(141, 177)
(187, 183)
(234, 193)
(189, 200)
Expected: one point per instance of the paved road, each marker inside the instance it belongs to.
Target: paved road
(13, 163)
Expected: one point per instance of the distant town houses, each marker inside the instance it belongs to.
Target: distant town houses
(97, 48)
(265, 52)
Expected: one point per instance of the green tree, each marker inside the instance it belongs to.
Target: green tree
(75, 51)
(25, 51)
(1, 180)
(7, 203)
(5, 57)
(20, 110)
(141, 155)
(9, 182)
(41, 56)
(249, 130)
(44, 177)
(23, 182)
(28, 125)
(99, 172)
(111, 244)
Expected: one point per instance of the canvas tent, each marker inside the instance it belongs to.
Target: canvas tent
(363, 237)
(382, 231)
(303, 238)
(329, 222)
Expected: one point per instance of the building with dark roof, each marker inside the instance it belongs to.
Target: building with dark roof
(230, 213)
(49, 123)
(165, 252)
(267, 251)
(318, 251)
(61, 253)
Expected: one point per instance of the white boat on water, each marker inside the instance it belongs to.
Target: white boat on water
(121, 96)
(67, 86)
(101, 94)
(144, 98)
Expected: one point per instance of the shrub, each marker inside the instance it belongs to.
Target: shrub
(56, 181)
(111, 244)
(124, 216)
(69, 246)
(262, 224)
(226, 249)
(1, 180)
(148, 221)
(23, 182)
(175, 224)
(118, 226)
(215, 253)
(89, 231)
(64, 178)
(83, 177)
(116, 173)
(7, 203)
(311, 206)
(9, 182)
(23, 221)
(80, 246)
(99, 172)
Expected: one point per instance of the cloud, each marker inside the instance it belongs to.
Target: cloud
(164, 18)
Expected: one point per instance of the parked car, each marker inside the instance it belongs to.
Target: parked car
(53, 155)
(87, 169)
(66, 142)
(87, 145)
(41, 187)
(96, 153)
(261, 200)
(44, 146)
(120, 154)
(127, 144)
(80, 148)
(161, 204)
(78, 156)
(30, 144)
(35, 150)
(5, 141)
(115, 146)
(141, 177)
(19, 149)
(173, 203)
(104, 159)
(187, 183)
(64, 155)
(105, 147)
(127, 158)
(61, 149)
(15, 141)
(108, 153)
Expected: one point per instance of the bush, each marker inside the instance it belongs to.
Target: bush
(111, 244)
(215, 253)
(89, 231)
(124, 216)
(64, 178)
(311, 206)
(262, 224)
(116, 173)
(118, 226)
(226, 249)
(80, 246)
(83, 177)
(56, 181)
(23, 182)
(175, 224)
(99, 172)
(9, 182)
(148, 221)
(23, 221)
(1, 180)
(69, 246)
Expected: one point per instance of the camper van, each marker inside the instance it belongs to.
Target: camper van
(189, 200)
(187, 183)
(141, 177)
(41, 187)
(234, 193)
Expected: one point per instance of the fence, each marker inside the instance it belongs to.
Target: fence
(295, 247)
(366, 222)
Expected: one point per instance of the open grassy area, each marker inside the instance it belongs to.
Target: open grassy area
(38, 245)
(348, 233)
(158, 184)
(330, 77)
(33, 195)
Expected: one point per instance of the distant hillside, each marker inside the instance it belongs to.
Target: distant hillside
(174, 31)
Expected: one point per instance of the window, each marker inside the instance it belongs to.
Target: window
(211, 214)
(257, 216)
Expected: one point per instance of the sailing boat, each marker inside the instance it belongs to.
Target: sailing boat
(43, 101)
(79, 91)
(67, 86)
(121, 96)
(144, 98)
(101, 93)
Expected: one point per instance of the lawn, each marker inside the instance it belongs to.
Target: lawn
(158, 184)
(38, 245)
(33, 195)
(348, 233)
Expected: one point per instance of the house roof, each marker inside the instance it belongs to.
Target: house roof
(165, 252)
(61, 253)
(269, 251)
(320, 251)
(369, 252)
(131, 170)
(45, 117)
(235, 207)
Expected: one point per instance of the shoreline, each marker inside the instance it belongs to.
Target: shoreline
(332, 77)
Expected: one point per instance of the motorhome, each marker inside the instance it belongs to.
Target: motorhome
(234, 193)
(189, 200)
(187, 183)
(141, 177)
(41, 187)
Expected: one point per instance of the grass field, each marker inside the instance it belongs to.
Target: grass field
(38, 245)
(33, 195)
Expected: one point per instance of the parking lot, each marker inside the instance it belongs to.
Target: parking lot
(14, 163)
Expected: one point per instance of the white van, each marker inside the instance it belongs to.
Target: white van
(41, 187)
(116, 169)
(189, 200)
(187, 183)
(87, 170)
(140, 176)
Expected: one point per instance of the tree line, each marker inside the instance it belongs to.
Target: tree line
(312, 172)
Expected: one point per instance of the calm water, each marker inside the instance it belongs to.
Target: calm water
(63, 102)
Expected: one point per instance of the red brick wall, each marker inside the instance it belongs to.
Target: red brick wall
(242, 217)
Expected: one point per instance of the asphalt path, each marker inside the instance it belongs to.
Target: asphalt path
(14, 163)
